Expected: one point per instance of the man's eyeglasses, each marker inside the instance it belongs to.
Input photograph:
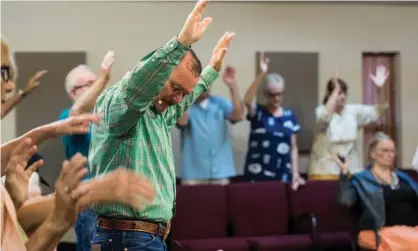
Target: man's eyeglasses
(178, 90)
(5, 73)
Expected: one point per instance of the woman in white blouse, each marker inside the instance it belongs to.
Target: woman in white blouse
(337, 127)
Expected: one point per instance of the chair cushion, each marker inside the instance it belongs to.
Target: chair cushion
(258, 209)
(225, 244)
(336, 239)
(285, 242)
(200, 212)
(330, 216)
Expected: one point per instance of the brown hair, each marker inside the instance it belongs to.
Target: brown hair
(330, 89)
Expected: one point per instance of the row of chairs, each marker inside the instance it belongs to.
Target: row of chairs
(263, 216)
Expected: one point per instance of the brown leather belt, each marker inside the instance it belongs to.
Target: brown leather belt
(135, 225)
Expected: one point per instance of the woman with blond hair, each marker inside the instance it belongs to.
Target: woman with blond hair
(387, 197)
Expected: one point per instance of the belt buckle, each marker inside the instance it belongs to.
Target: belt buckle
(167, 230)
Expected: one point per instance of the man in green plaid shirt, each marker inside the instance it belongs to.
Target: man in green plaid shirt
(138, 113)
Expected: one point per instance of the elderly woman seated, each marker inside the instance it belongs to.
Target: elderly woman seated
(387, 198)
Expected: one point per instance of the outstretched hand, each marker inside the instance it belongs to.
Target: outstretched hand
(106, 66)
(194, 27)
(381, 76)
(17, 178)
(34, 81)
(229, 76)
(219, 52)
(264, 63)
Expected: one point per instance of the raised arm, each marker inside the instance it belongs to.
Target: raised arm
(324, 112)
(86, 102)
(123, 105)
(15, 100)
(250, 95)
(208, 76)
(73, 125)
(367, 114)
(229, 78)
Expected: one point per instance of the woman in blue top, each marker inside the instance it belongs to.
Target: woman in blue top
(272, 150)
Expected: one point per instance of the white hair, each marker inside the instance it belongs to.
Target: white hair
(71, 79)
(12, 62)
(273, 80)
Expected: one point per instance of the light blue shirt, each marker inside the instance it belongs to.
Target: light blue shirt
(206, 145)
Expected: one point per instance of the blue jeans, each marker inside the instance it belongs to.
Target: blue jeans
(115, 240)
(84, 228)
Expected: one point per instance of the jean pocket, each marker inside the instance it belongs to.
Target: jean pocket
(141, 241)
(101, 236)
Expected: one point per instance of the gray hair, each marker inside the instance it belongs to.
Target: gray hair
(273, 80)
(377, 138)
(74, 74)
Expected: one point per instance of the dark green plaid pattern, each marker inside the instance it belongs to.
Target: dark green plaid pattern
(134, 135)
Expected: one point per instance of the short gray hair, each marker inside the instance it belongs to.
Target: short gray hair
(377, 138)
(273, 80)
(74, 75)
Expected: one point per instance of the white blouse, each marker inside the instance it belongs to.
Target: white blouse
(337, 133)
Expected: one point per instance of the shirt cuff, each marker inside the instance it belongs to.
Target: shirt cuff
(209, 75)
(172, 46)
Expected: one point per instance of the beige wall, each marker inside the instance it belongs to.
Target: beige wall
(339, 32)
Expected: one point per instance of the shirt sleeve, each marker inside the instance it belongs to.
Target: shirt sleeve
(226, 106)
(367, 114)
(173, 113)
(127, 101)
(296, 125)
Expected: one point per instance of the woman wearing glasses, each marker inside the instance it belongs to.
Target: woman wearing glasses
(272, 151)
(337, 125)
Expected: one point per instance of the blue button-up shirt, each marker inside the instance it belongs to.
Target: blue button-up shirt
(206, 144)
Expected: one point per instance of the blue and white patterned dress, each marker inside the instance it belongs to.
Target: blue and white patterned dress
(269, 154)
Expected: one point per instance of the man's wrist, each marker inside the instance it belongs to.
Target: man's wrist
(183, 42)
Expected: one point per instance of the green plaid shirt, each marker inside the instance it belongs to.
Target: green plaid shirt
(135, 136)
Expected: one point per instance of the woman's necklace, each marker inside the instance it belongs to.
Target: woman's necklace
(394, 181)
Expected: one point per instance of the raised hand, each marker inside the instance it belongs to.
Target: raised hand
(64, 213)
(122, 186)
(106, 66)
(194, 27)
(79, 124)
(337, 86)
(17, 178)
(229, 76)
(34, 81)
(219, 52)
(264, 63)
(381, 76)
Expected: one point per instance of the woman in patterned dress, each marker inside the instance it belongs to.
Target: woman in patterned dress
(272, 151)
(337, 126)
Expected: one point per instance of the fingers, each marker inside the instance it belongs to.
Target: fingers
(86, 118)
(40, 74)
(22, 146)
(205, 24)
(72, 170)
(200, 7)
(75, 180)
(108, 60)
(34, 167)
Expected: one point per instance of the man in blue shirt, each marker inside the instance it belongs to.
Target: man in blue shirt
(83, 88)
(206, 145)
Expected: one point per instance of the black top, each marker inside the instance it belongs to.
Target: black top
(401, 205)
